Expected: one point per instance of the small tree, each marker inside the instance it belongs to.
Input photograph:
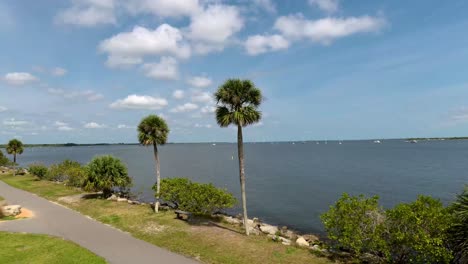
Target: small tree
(356, 223)
(15, 147)
(153, 131)
(458, 233)
(418, 231)
(198, 198)
(106, 173)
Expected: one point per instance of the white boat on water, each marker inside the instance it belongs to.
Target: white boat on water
(214, 144)
(377, 142)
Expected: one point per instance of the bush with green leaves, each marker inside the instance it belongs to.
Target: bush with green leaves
(417, 231)
(414, 232)
(458, 233)
(198, 198)
(38, 170)
(357, 224)
(63, 171)
(4, 161)
(107, 174)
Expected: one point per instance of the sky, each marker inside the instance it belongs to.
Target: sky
(87, 71)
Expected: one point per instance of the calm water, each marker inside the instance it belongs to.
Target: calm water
(292, 184)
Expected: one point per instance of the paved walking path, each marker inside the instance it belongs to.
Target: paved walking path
(108, 242)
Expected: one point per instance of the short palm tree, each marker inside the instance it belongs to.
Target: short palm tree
(15, 147)
(459, 231)
(153, 130)
(237, 104)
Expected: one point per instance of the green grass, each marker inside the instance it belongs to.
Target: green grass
(28, 248)
(49, 190)
(200, 240)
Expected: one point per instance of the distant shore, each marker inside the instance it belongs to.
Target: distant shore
(311, 140)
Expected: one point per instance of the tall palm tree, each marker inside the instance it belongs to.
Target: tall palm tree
(15, 147)
(237, 104)
(153, 130)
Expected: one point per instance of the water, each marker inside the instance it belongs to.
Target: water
(292, 184)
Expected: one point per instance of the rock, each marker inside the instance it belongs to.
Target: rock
(122, 199)
(288, 234)
(113, 197)
(311, 238)
(11, 210)
(281, 239)
(231, 220)
(268, 229)
(300, 241)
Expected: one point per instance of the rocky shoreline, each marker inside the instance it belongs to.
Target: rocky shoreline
(279, 234)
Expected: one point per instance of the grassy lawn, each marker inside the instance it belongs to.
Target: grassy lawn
(28, 248)
(204, 239)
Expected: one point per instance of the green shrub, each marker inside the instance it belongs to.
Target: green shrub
(356, 224)
(458, 233)
(417, 231)
(4, 161)
(76, 176)
(409, 233)
(38, 170)
(198, 198)
(61, 172)
(107, 173)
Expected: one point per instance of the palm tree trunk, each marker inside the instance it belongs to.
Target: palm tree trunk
(14, 157)
(240, 150)
(158, 177)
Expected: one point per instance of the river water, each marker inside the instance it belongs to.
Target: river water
(293, 183)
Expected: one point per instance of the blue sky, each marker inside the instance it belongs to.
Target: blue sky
(87, 71)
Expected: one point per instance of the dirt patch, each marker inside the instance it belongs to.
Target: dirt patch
(25, 213)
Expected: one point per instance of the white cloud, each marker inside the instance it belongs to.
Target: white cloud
(60, 123)
(65, 128)
(129, 48)
(208, 109)
(212, 28)
(3, 109)
(178, 94)
(88, 13)
(19, 78)
(187, 107)
(326, 30)
(140, 102)
(122, 126)
(199, 81)
(89, 95)
(267, 5)
(12, 122)
(165, 69)
(93, 125)
(164, 8)
(202, 126)
(329, 6)
(259, 44)
(202, 97)
(58, 71)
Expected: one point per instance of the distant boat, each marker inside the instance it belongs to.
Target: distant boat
(214, 144)
(414, 141)
(339, 143)
(318, 143)
(377, 142)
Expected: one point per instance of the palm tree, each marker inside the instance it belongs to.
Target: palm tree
(237, 104)
(14, 147)
(459, 230)
(153, 130)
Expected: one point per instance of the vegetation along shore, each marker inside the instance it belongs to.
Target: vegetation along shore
(189, 217)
